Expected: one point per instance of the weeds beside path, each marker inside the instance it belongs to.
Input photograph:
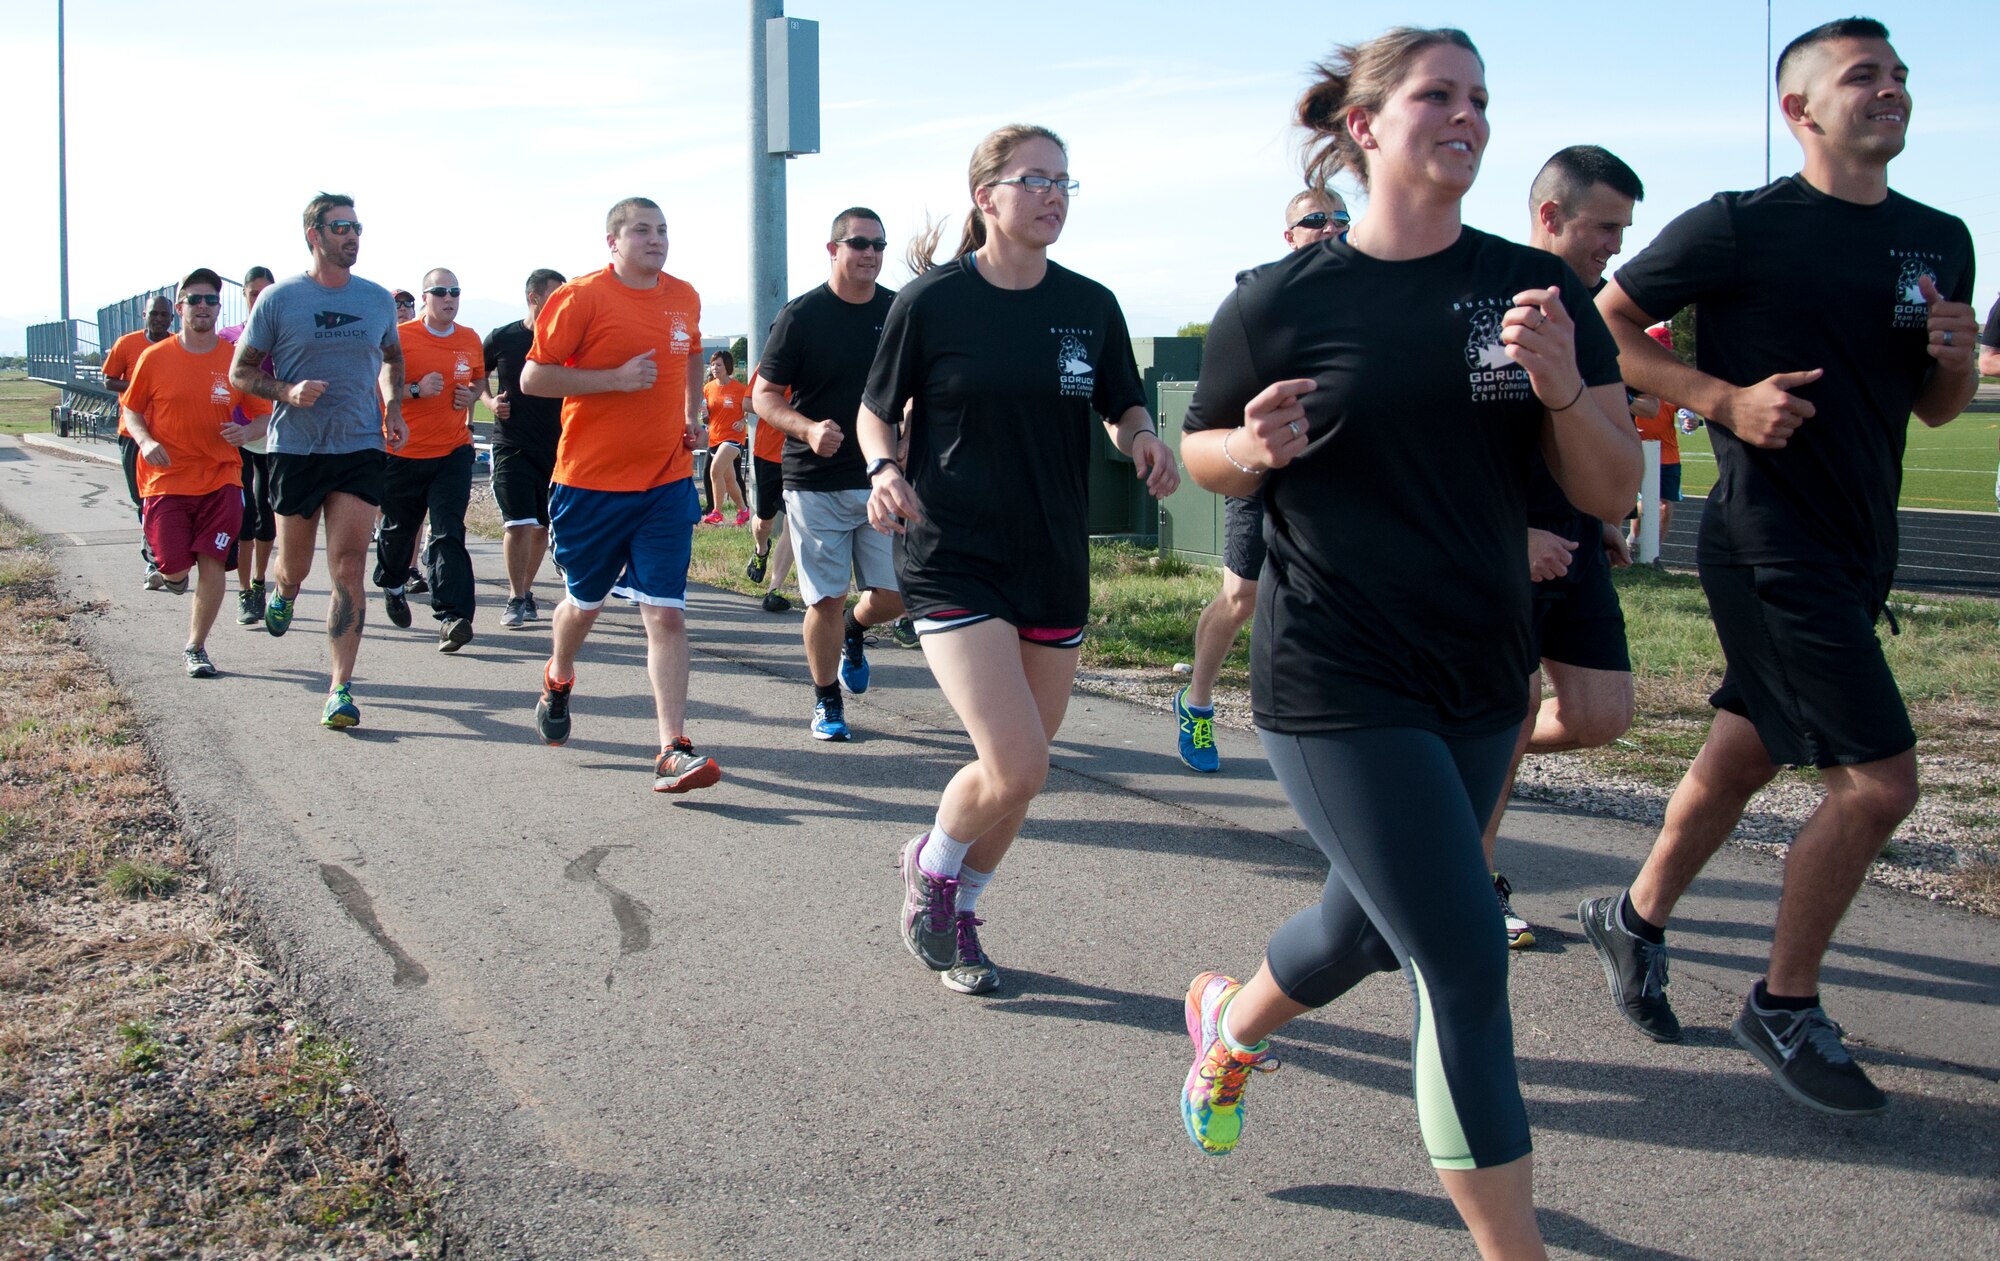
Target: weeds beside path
(159, 1094)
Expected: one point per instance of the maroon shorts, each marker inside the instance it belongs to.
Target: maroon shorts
(182, 527)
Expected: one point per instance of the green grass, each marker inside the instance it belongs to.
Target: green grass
(1948, 467)
(24, 404)
(139, 880)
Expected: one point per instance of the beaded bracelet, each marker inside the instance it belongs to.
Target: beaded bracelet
(1240, 466)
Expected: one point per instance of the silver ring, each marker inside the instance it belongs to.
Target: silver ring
(1545, 318)
(1293, 425)
(1947, 337)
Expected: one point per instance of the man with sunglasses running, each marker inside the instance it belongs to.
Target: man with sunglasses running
(336, 360)
(1313, 216)
(820, 349)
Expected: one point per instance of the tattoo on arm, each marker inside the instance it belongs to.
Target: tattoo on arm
(247, 373)
(392, 366)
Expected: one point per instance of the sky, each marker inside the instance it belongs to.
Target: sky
(491, 138)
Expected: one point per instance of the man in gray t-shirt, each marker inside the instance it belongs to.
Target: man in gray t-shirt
(336, 376)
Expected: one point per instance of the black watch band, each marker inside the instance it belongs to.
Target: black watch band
(887, 461)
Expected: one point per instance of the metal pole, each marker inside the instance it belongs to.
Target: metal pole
(767, 192)
(62, 193)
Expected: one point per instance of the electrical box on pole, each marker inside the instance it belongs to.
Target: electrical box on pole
(791, 50)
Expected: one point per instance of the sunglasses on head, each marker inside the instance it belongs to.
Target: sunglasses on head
(864, 242)
(443, 291)
(201, 299)
(341, 227)
(1318, 219)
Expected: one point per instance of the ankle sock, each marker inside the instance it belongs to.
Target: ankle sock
(831, 692)
(941, 855)
(1632, 922)
(1199, 711)
(1228, 1039)
(1765, 999)
(971, 883)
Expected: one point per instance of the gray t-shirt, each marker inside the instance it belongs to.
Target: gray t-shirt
(313, 333)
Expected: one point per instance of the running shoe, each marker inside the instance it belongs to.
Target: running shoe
(175, 586)
(829, 721)
(930, 903)
(552, 711)
(775, 602)
(712, 518)
(854, 665)
(197, 663)
(904, 632)
(1212, 1096)
(397, 605)
(340, 711)
(1519, 935)
(760, 562)
(515, 613)
(743, 516)
(1635, 969)
(1804, 1052)
(973, 973)
(155, 580)
(680, 769)
(529, 609)
(415, 583)
(250, 605)
(278, 614)
(454, 633)
(1197, 738)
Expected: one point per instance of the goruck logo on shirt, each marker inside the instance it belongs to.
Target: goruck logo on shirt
(680, 333)
(1493, 376)
(324, 322)
(218, 388)
(1074, 375)
(1912, 311)
(461, 367)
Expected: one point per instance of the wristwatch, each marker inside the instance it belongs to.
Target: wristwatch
(887, 461)
(413, 390)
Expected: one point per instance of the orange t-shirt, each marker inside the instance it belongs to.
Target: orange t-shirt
(619, 441)
(123, 357)
(436, 427)
(1662, 426)
(769, 439)
(725, 410)
(185, 399)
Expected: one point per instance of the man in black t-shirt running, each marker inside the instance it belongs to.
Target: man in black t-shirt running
(820, 348)
(525, 430)
(1832, 309)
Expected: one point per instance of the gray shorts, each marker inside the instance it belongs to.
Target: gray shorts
(832, 539)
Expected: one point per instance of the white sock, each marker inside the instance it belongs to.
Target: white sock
(971, 883)
(393, 590)
(941, 856)
(1229, 1039)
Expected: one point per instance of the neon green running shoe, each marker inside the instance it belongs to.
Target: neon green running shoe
(1212, 1099)
(340, 711)
(278, 613)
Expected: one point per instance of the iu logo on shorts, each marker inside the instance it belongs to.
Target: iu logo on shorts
(221, 541)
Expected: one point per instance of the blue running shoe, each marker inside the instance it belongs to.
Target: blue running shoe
(278, 614)
(854, 665)
(829, 721)
(341, 711)
(1197, 735)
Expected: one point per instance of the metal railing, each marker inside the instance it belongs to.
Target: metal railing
(62, 356)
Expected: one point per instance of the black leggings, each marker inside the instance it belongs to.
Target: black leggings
(442, 486)
(1399, 812)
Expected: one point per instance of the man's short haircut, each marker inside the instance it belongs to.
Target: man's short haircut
(542, 278)
(1307, 196)
(161, 297)
(201, 276)
(316, 208)
(622, 213)
(438, 271)
(844, 221)
(257, 273)
(1567, 178)
(1826, 32)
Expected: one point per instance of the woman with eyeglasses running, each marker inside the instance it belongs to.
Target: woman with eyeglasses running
(1384, 391)
(1004, 355)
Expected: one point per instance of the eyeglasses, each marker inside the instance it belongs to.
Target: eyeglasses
(443, 291)
(1318, 219)
(406, 302)
(202, 299)
(1041, 184)
(875, 243)
(341, 227)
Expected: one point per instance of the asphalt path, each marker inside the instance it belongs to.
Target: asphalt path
(619, 1025)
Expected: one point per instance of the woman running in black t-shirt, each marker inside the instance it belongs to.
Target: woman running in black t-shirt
(1384, 391)
(1004, 356)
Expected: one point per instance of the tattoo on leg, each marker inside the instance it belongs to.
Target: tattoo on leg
(346, 615)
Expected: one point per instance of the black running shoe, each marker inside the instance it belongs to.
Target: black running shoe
(775, 602)
(1804, 1052)
(454, 633)
(759, 562)
(1635, 969)
(552, 711)
(397, 606)
(416, 585)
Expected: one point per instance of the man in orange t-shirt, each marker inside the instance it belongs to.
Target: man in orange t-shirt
(723, 397)
(444, 373)
(176, 406)
(1663, 428)
(118, 364)
(767, 482)
(622, 349)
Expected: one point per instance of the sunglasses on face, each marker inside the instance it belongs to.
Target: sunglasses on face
(1318, 219)
(201, 299)
(341, 227)
(875, 243)
(443, 291)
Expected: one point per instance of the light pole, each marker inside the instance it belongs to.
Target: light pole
(62, 193)
(767, 191)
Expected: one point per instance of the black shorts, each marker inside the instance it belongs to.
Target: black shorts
(259, 524)
(301, 483)
(521, 485)
(770, 487)
(1243, 535)
(1804, 664)
(1576, 618)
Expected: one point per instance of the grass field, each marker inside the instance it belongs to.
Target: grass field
(1949, 467)
(24, 404)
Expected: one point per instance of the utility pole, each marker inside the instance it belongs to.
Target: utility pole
(62, 192)
(767, 191)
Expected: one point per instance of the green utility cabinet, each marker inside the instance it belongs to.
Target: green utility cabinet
(1191, 519)
(1119, 504)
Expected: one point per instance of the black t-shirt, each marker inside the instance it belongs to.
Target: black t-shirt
(1549, 509)
(820, 348)
(1990, 335)
(533, 423)
(1396, 593)
(1789, 279)
(1005, 381)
